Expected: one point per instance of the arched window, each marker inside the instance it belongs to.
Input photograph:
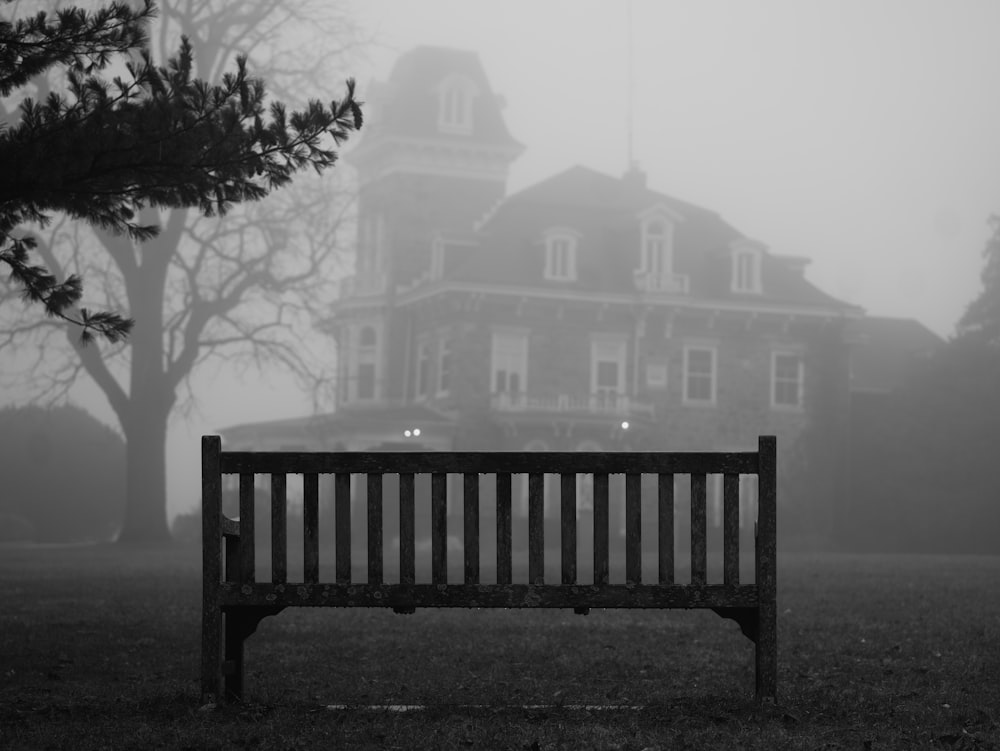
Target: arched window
(456, 96)
(747, 257)
(657, 247)
(746, 272)
(655, 272)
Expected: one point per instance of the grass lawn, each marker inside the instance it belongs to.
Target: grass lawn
(99, 649)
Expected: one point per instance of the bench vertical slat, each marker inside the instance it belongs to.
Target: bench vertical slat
(247, 553)
(766, 560)
(731, 529)
(633, 528)
(374, 528)
(211, 569)
(279, 529)
(601, 524)
(439, 528)
(232, 557)
(567, 521)
(342, 525)
(470, 518)
(407, 530)
(536, 528)
(665, 546)
(699, 553)
(310, 527)
(504, 565)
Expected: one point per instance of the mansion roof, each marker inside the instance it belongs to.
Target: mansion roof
(604, 213)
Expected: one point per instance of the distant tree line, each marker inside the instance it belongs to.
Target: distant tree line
(923, 463)
(924, 471)
(63, 476)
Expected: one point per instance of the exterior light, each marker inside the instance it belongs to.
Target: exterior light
(624, 424)
(416, 431)
(407, 433)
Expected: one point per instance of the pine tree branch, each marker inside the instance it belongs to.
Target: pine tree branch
(38, 285)
(75, 38)
(158, 138)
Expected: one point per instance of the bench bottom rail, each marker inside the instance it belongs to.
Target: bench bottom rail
(405, 597)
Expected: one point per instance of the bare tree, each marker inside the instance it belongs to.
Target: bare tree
(244, 287)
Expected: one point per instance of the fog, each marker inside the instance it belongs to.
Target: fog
(861, 135)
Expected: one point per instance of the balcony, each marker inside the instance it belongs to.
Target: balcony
(361, 285)
(596, 405)
(658, 283)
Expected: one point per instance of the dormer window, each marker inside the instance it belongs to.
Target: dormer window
(654, 272)
(456, 95)
(746, 264)
(560, 255)
(657, 247)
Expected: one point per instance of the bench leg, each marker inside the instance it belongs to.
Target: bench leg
(767, 652)
(211, 654)
(240, 623)
(232, 668)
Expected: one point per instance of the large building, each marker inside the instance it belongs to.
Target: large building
(587, 312)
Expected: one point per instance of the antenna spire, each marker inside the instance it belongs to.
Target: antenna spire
(629, 87)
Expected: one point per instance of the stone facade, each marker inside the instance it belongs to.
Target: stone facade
(586, 312)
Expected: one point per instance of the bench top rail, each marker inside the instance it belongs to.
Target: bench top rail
(514, 462)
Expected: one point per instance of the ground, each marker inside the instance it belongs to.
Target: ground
(101, 649)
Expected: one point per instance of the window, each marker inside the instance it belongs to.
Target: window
(444, 367)
(455, 99)
(509, 363)
(787, 374)
(366, 365)
(560, 256)
(746, 271)
(607, 372)
(423, 369)
(699, 375)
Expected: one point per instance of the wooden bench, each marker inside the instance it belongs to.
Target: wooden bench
(234, 601)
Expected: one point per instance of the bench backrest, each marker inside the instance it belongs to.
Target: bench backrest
(240, 563)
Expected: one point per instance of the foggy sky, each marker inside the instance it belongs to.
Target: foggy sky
(860, 134)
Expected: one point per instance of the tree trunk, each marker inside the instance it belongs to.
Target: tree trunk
(146, 478)
(151, 395)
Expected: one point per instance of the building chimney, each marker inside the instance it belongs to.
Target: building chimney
(635, 177)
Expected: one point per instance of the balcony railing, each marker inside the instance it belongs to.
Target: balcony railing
(661, 283)
(362, 285)
(602, 404)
